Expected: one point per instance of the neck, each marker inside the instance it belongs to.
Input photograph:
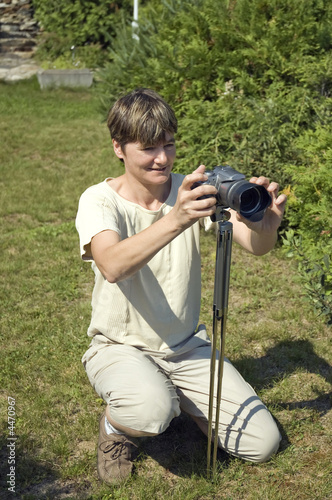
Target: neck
(150, 197)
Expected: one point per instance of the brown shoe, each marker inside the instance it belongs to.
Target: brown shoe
(114, 455)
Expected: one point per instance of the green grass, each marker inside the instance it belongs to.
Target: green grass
(53, 146)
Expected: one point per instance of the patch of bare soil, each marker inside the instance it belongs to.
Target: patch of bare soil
(57, 489)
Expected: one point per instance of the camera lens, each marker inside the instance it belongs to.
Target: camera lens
(250, 201)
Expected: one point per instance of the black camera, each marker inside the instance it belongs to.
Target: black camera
(250, 200)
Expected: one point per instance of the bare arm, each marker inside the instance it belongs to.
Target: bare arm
(118, 259)
(260, 237)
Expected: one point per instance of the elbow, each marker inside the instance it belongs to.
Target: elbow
(110, 272)
(110, 275)
(114, 273)
(114, 277)
(111, 278)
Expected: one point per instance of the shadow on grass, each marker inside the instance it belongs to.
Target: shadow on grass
(181, 450)
(35, 480)
(282, 360)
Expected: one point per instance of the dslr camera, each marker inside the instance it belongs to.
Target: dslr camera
(248, 199)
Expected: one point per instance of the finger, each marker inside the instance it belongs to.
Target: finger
(263, 181)
(273, 186)
(281, 200)
(205, 203)
(205, 190)
(200, 169)
(197, 176)
(273, 189)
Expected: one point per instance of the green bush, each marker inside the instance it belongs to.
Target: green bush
(308, 238)
(314, 265)
(255, 135)
(87, 56)
(86, 24)
(189, 49)
(311, 184)
(245, 77)
(251, 83)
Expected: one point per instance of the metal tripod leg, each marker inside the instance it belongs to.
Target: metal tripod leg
(220, 306)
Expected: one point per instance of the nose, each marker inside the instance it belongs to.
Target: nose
(161, 157)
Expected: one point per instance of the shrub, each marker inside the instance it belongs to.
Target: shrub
(309, 215)
(314, 265)
(251, 82)
(79, 23)
(231, 77)
(311, 184)
(189, 49)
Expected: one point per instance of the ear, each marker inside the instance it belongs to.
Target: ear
(117, 149)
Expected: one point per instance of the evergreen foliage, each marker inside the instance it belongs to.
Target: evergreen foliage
(308, 236)
(245, 77)
(251, 83)
(86, 24)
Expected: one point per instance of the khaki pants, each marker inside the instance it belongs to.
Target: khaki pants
(145, 393)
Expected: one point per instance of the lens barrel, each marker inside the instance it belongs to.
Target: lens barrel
(248, 199)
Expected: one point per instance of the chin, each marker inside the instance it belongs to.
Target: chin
(161, 174)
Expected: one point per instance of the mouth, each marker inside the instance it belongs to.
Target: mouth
(160, 169)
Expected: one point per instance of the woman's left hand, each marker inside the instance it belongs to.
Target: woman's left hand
(274, 213)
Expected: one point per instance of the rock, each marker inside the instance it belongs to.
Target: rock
(18, 31)
(18, 28)
(21, 72)
(53, 78)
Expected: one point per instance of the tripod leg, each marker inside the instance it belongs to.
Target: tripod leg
(221, 291)
(211, 397)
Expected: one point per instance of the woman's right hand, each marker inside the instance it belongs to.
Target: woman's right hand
(188, 207)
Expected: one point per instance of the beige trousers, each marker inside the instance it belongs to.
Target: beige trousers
(145, 393)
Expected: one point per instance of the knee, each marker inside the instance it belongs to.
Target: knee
(151, 415)
(256, 440)
(158, 410)
(161, 415)
(267, 443)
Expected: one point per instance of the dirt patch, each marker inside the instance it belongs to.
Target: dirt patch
(57, 489)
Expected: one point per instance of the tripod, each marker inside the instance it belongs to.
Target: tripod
(220, 306)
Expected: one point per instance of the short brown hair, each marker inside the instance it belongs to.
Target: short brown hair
(141, 116)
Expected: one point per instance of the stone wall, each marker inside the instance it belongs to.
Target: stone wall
(18, 29)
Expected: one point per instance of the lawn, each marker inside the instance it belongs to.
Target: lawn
(54, 145)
